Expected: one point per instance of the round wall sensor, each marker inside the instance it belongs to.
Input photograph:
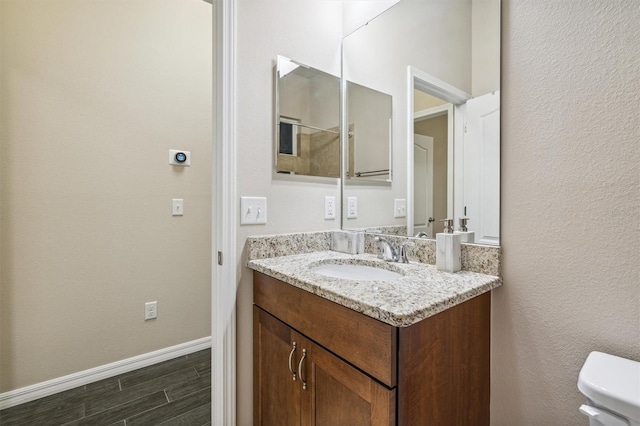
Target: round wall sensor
(178, 157)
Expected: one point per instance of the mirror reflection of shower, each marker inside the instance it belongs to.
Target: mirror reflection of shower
(307, 136)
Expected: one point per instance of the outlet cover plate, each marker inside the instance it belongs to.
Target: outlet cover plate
(150, 310)
(329, 207)
(352, 207)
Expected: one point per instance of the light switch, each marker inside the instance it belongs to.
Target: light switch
(177, 207)
(352, 207)
(400, 207)
(253, 210)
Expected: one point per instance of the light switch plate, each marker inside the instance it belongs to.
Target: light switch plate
(177, 207)
(329, 207)
(253, 210)
(352, 207)
(400, 207)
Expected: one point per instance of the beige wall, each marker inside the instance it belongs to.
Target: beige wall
(92, 96)
(485, 46)
(423, 100)
(570, 203)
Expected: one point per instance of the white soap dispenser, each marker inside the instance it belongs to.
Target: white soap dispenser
(448, 249)
(466, 236)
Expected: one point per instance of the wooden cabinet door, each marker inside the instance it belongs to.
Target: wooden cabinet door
(276, 395)
(337, 394)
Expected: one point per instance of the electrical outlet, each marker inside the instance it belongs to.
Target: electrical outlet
(150, 310)
(352, 207)
(329, 207)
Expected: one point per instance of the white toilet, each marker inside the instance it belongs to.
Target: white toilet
(612, 386)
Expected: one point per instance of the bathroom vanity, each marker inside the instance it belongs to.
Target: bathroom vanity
(408, 351)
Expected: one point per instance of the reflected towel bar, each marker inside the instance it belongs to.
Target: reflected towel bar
(372, 173)
(311, 127)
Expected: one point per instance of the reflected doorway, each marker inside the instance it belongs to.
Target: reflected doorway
(423, 185)
(433, 168)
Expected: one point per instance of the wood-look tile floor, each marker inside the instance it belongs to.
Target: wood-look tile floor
(172, 393)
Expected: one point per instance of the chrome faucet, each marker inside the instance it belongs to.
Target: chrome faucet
(422, 234)
(385, 250)
(388, 253)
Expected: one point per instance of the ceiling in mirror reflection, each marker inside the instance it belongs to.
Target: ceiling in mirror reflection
(456, 42)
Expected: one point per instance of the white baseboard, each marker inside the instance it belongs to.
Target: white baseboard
(81, 378)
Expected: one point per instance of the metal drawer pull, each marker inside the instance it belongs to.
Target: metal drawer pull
(304, 382)
(291, 356)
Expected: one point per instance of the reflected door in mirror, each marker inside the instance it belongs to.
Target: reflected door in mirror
(423, 184)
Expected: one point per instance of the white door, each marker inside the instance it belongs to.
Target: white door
(481, 192)
(422, 184)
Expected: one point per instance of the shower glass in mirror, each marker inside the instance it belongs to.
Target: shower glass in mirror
(369, 147)
(307, 120)
(456, 43)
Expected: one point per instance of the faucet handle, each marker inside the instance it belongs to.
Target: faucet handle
(403, 250)
(407, 243)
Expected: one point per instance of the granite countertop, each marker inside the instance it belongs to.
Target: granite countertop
(421, 292)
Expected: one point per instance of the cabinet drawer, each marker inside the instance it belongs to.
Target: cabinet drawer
(365, 342)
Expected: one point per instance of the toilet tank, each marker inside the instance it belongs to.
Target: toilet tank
(611, 383)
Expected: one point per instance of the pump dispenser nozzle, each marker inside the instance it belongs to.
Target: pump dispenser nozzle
(448, 226)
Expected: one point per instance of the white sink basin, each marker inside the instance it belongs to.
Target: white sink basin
(355, 272)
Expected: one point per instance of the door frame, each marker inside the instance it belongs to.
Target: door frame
(417, 79)
(224, 209)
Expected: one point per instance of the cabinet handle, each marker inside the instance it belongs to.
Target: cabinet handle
(304, 382)
(291, 356)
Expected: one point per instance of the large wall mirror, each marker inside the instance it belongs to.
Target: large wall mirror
(440, 64)
(307, 124)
